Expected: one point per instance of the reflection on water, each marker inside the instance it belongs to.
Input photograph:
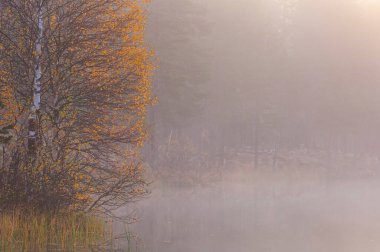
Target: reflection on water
(263, 214)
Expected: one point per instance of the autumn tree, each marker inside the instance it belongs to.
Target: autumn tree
(79, 78)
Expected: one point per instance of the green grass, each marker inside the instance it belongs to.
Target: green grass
(43, 232)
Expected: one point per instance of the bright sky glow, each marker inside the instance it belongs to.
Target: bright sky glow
(368, 2)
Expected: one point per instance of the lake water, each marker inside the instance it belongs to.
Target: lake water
(262, 214)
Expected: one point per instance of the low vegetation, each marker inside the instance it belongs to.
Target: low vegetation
(47, 232)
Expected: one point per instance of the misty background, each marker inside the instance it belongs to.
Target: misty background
(266, 133)
(283, 75)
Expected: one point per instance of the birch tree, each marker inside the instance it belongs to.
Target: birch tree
(78, 79)
(34, 111)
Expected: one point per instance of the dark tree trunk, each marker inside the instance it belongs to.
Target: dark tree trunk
(257, 144)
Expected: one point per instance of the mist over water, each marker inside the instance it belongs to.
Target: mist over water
(266, 134)
(260, 211)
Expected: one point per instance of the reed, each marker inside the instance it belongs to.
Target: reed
(52, 232)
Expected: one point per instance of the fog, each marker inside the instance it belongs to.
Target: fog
(266, 135)
(271, 215)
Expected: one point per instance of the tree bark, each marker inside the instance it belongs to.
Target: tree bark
(33, 117)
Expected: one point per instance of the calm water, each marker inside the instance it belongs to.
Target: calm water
(263, 214)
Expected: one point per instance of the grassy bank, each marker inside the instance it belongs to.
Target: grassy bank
(44, 232)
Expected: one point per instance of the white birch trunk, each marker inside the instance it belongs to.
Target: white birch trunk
(33, 118)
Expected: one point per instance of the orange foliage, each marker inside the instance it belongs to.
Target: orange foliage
(96, 86)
